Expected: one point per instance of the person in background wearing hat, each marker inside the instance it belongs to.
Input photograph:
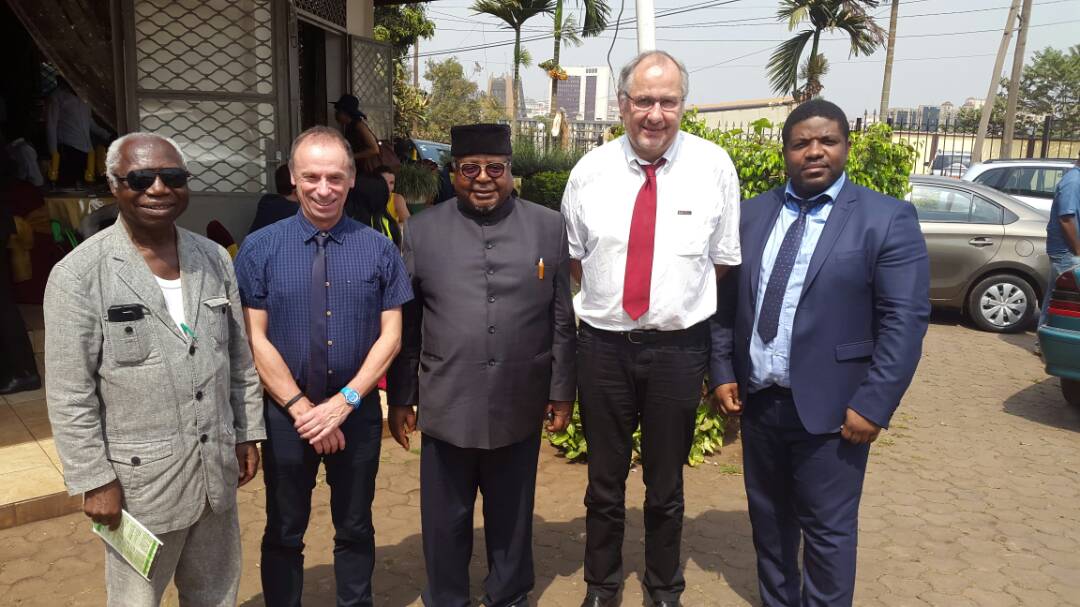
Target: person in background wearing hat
(353, 122)
(495, 354)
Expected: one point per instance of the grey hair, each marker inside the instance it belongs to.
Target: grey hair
(112, 156)
(627, 72)
(324, 133)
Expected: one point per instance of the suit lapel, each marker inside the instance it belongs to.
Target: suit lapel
(191, 275)
(757, 234)
(834, 225)
(134, 272)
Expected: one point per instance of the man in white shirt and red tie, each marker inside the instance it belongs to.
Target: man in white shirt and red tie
(653, 222)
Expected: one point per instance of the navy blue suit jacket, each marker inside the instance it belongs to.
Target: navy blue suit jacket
(864, 309)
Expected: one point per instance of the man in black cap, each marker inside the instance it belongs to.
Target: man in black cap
(493, 355)
(354, 126)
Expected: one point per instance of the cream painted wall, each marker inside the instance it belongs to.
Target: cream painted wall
(360, 18)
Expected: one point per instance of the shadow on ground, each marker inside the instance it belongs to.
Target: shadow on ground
(718, 542)
(1043, 403)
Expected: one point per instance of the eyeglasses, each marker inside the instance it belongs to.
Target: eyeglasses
(143, 179)
(494, 170)
(643, 103)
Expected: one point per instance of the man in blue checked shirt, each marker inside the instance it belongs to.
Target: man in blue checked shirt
(322, 297)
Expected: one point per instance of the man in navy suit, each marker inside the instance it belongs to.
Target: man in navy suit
(822, 328)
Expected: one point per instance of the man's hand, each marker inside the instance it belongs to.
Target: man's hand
(333, 443)
(558, 414)
(317, 423)
(859, 430)
(402, 422)
(103, 504)
(247, 455)
(726, 399)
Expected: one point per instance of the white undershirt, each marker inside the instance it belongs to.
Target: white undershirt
(174, 299)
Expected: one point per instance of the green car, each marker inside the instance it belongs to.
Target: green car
(1060, 336)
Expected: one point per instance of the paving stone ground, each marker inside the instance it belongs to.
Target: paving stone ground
(972, 498)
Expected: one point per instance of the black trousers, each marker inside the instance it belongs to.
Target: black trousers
(290, 465)
(657, 383)
(16, 355)
(72, 166)
(449, 478)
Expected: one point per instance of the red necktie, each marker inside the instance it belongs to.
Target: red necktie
(639, 249)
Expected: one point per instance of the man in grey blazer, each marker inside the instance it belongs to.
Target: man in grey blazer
(487, 350)
(153, 397)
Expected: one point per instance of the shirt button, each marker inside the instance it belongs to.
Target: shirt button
(491, 299)
(491, 363)
(329, 371)
(489, 245)
(135, 461)
(191, 350)
(491, 329)
(490, 272)
(328, 312)
(198, 395)
(128, 330)
(329, 342)
(204, 438)
(328, 284)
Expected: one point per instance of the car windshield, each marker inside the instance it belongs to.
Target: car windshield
(946, 160)
(435, 152)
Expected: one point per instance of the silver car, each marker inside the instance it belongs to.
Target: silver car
(987, 251)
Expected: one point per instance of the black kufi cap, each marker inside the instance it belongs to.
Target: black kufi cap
(468, 139)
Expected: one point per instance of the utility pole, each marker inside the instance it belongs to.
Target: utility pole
(646, 26)
(1014, 80)
(886, 84)
(416, 64)
(988, 105)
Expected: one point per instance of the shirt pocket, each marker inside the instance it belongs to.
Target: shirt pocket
(217, 316)
(128, 342)
(690, 233)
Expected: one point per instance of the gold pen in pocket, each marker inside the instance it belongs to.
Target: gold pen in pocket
(540, 269)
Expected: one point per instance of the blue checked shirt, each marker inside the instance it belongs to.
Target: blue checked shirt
(769, 363)
(366, 276)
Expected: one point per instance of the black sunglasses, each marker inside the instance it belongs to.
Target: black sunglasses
(494, 170)
(143, 179)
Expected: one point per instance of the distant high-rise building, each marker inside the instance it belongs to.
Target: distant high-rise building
(499, 87)
(929, 117)
(584, 94)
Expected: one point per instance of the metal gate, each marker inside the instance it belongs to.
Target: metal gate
(373, 83)
(212, 75)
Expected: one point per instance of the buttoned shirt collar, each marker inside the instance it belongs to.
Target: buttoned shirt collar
(832, 191)
(308, 230)
(669, 154)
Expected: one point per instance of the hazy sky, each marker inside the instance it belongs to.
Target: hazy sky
(726, 47)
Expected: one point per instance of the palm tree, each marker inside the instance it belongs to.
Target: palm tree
(849, 16)
(566, 31)
(514, 13)
(886, 83)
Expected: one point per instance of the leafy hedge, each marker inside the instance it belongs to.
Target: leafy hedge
(708, 437)
(545, 187)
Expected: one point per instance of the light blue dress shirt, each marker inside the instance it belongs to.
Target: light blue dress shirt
(769, 363)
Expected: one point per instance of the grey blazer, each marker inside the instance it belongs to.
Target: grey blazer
(139, 400)
(488, 339)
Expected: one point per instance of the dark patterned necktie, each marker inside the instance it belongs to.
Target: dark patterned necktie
(769, 315)
(316, 377)
(639, 247)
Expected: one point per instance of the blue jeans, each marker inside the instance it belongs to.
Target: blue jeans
(1059, 264)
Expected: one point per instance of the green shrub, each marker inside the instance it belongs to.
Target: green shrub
(416, 183)
(708, 437)
(528, 159)
(545, 187)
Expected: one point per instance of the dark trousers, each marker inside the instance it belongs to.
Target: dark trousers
(659, 385)
(290, 465)
(449, 478)
(72, 166)
(17, 355)
(801, 486)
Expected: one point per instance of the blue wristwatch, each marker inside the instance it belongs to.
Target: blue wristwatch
(351, 396)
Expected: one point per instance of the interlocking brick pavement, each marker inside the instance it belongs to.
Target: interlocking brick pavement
(972, 498)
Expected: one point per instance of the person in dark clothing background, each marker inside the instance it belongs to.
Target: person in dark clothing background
(18, 370)
(353, 122)
(367, 205)
(275, 207)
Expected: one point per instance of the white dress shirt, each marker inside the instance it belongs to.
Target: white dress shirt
(697, 226)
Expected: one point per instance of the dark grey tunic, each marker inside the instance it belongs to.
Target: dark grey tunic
(487, 342)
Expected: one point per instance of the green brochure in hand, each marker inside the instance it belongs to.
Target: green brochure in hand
(134, 542)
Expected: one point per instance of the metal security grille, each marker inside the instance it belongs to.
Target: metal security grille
(204, 74)
(331, 11)
(373, 83)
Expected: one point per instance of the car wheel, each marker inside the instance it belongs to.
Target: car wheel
(1002, 303)
(1070, 389)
